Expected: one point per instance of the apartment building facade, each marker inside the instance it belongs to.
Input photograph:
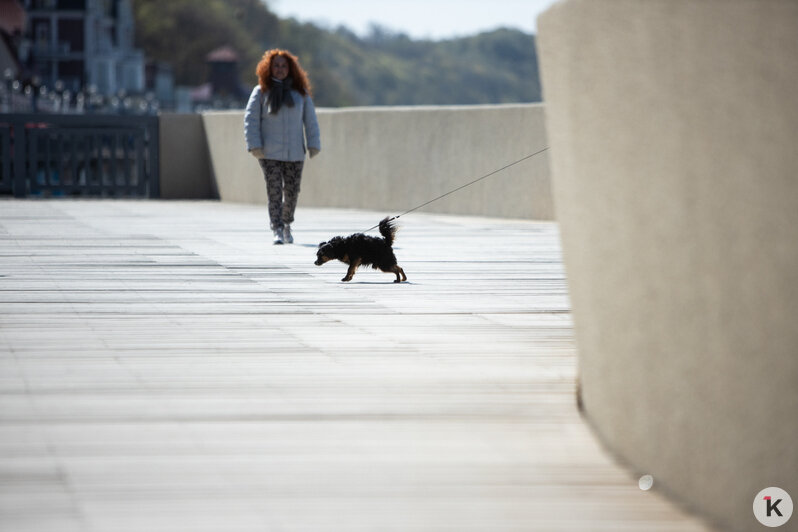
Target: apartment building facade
(84, 44)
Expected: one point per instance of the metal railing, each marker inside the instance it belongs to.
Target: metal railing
(79, 155)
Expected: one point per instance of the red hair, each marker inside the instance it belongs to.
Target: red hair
(264, 71)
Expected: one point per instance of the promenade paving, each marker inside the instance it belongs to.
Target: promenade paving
(164, 367)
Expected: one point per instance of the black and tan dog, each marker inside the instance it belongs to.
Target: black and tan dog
(362, 250)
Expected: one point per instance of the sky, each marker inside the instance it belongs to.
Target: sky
(419, 19)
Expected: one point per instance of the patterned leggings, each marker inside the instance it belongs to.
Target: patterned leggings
(282, 186)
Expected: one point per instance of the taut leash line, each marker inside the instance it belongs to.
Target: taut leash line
(463, 186)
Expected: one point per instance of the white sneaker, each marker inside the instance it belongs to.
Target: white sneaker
(289, 238)
(278, 236)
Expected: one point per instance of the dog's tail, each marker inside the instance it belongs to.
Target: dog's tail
(388, 230)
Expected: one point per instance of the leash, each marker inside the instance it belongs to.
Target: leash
(462, 187)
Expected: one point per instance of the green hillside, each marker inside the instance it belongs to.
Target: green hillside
(382, 69)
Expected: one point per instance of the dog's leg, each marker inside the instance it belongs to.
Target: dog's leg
(397, 270)
(351, 271)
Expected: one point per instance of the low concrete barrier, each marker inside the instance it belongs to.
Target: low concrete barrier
(673, 128)
(396, 158)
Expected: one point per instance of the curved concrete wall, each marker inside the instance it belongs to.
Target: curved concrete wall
(673, 128)
(396, 158)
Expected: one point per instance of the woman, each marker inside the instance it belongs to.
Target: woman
(279, 115)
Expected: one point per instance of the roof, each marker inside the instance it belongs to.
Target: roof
(223, 54)
(12, 17)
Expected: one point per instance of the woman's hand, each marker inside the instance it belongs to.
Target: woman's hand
(257, 153)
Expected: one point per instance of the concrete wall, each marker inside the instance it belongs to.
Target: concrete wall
(673, 128)
(184, 159)
(394, 159)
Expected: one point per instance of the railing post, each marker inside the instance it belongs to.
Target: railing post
(155, 163)
(20, 158)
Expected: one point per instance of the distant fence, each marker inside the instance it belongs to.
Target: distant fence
(79, 155)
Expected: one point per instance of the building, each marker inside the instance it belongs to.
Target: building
(223, 73)
(83, 43)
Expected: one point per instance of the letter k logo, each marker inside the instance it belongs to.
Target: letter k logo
(772, 507)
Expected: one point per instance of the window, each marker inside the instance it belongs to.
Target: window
(71, 31)
(41, 32)
(79, 5)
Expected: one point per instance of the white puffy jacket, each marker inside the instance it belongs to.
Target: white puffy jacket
(281, 136)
